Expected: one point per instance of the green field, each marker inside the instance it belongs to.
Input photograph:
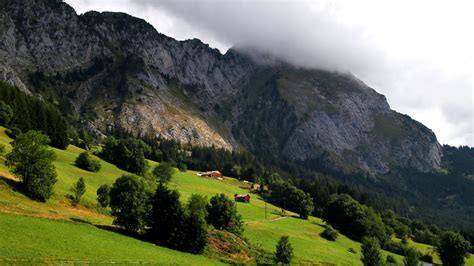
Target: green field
(30, 239)
(44, 239)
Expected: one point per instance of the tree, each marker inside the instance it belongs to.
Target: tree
(103, 195)
(6, 113)
(163, 172)
(31, 161)
(78, 190)
(371, 255)
(300, 202)
(166, 218)
(128, 154)
(284, 251)
(195, 225)
(452, 248)
(223, 215)
(129, 202)
(411, 257)
(354, 219)
(84, 161)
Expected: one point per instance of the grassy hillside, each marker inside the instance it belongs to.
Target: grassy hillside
(73, 242)
(27, 238)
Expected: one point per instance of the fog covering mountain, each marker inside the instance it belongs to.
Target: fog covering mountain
(113, 71)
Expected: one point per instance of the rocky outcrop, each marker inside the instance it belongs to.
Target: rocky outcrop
(115, 70)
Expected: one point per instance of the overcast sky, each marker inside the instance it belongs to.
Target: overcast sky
(416, 52)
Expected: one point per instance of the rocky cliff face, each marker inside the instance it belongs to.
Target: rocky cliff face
(115, 70)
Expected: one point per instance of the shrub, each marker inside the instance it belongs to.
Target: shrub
(411, 257)
(284, 251)
(371, 255)
(427, 258)
(129, 202)
(222, 214)
(182, 167)
(84, 161)
(32, 161)
(103, 195)
(78, 190)
(330, 233)
(396, 247)
(391, 260)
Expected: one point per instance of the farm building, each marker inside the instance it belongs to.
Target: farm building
(242, 198)
(255, 186)
(215, 174)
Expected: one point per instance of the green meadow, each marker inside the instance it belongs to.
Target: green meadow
(56, 231)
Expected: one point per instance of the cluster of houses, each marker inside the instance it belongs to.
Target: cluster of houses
(237, 197)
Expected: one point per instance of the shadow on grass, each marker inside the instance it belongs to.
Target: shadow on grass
(79, 220)
(13, 184)
(124, 232)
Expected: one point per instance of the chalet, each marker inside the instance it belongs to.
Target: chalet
(214, 174)
(255, 187)
(242, 198)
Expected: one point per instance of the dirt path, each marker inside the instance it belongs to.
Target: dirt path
(272, 220)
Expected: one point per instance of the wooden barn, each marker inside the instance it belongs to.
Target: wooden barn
(242, 198)
(214, 174)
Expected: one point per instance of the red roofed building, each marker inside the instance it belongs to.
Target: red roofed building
(242, 198)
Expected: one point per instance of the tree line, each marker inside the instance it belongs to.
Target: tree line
(20, 112)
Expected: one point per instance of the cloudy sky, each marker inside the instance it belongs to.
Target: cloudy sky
(416, 52)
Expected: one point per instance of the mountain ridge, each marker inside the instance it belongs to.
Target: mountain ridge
(111, 70)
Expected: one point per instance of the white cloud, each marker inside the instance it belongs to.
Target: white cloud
(418, 53)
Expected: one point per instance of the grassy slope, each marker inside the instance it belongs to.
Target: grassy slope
(81, 242)
(304, 235)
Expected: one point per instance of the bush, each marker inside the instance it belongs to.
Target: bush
(371, 255)
(2, 149)
(163, 172)
(103, 195)
(284, 251)
(222, 214)
(391, 260)
(78, 190)
(411, 257)
(182, 167)
(84, 161)
(330, 233)
(32, 161)
(427, 258)
(129, 202)
(396, 247)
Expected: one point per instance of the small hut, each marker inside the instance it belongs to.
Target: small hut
(242, 198)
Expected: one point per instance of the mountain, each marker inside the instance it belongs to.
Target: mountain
(112, 71)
